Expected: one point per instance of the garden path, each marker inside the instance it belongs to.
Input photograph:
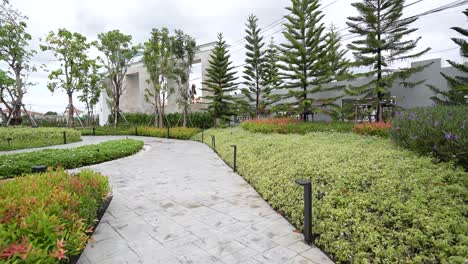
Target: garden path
(178, 202)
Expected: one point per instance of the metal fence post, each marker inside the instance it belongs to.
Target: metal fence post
(234, 168)
(307, 209)
(64, 137)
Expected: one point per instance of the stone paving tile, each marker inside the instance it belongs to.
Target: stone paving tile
(177, 202)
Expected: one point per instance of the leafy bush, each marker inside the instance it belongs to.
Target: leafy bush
(373, 202)
(17, 164)
(440, 131)
(196, 119)
(22, 138)
(292, 126)
(176, 132)
(47, 218)
(379, 129)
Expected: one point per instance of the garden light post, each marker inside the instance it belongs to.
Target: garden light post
(94, 131)
(39, 169)
(203, 136)
(168, 131)
(9, 142)
(64, 137)
(234, 167)
(213, 142)
(136, 131)
(307, 209)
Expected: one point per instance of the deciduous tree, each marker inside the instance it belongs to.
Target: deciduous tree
(184, 49)
(119, 53)
(91, 89)
(159, 61)
(70, 49)
(384, 41)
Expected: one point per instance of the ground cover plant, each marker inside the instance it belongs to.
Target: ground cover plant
(373, 202)
(440, 131)
(293, 126)
(16, 164)
(46, 218)
(175, 133)
(22, 138)
(380, 129)
(195, 119)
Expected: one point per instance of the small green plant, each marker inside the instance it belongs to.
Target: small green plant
(23, 138)
(292, 126)
(47, 218)
(175, 133)
(17, 164)
(440, 131)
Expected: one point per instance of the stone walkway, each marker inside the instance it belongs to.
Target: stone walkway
(178, 202)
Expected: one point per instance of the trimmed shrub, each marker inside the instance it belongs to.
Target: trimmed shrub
(23, 138)
(379, 129)
(440, 131)
(47, 218)
(16, 164)
(373, 202)
(195, 119)
(292, 126)
(175, 133)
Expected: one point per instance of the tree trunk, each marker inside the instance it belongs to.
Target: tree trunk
(19, 99)
(71, 110)
(116, 109)
(379, 68)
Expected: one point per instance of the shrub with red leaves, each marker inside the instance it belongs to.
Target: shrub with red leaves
(380, 129)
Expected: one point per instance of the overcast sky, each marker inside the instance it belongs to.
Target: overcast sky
(202, 19)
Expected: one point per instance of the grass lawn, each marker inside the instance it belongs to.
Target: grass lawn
(373, 202)
(24, 138)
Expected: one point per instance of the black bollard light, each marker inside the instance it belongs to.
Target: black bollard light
(307, 209)
(168, 131)
(94, 131)
(39, 169)
(213, 142)
(9, 142)
(234, 167)
(64, 137)
(203, 136)
(136, 131)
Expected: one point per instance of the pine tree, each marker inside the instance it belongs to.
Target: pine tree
(304, 57)
(338, 64)
(253, 72)
(220, 83)
(458, 85)
(383, 42)
(271, 76)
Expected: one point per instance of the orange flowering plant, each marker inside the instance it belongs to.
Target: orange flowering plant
(380, 129)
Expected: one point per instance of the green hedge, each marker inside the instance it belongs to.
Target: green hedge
(174, 133)
(46, 218)
(298, 128)
(440, 131)
(196, 119)
(17, 164)
(23, 138)
(373, 202)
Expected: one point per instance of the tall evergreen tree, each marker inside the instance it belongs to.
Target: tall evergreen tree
(253, 71)
(338, 64)
(271, 76)
(458, 85)
(220, 83)
(382, 43)
(304, 57)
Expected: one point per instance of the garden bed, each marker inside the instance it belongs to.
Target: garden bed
(48, 218)
(174, 133)
(23, 138)
(292, 126)
(16, 164)
(373, 202)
